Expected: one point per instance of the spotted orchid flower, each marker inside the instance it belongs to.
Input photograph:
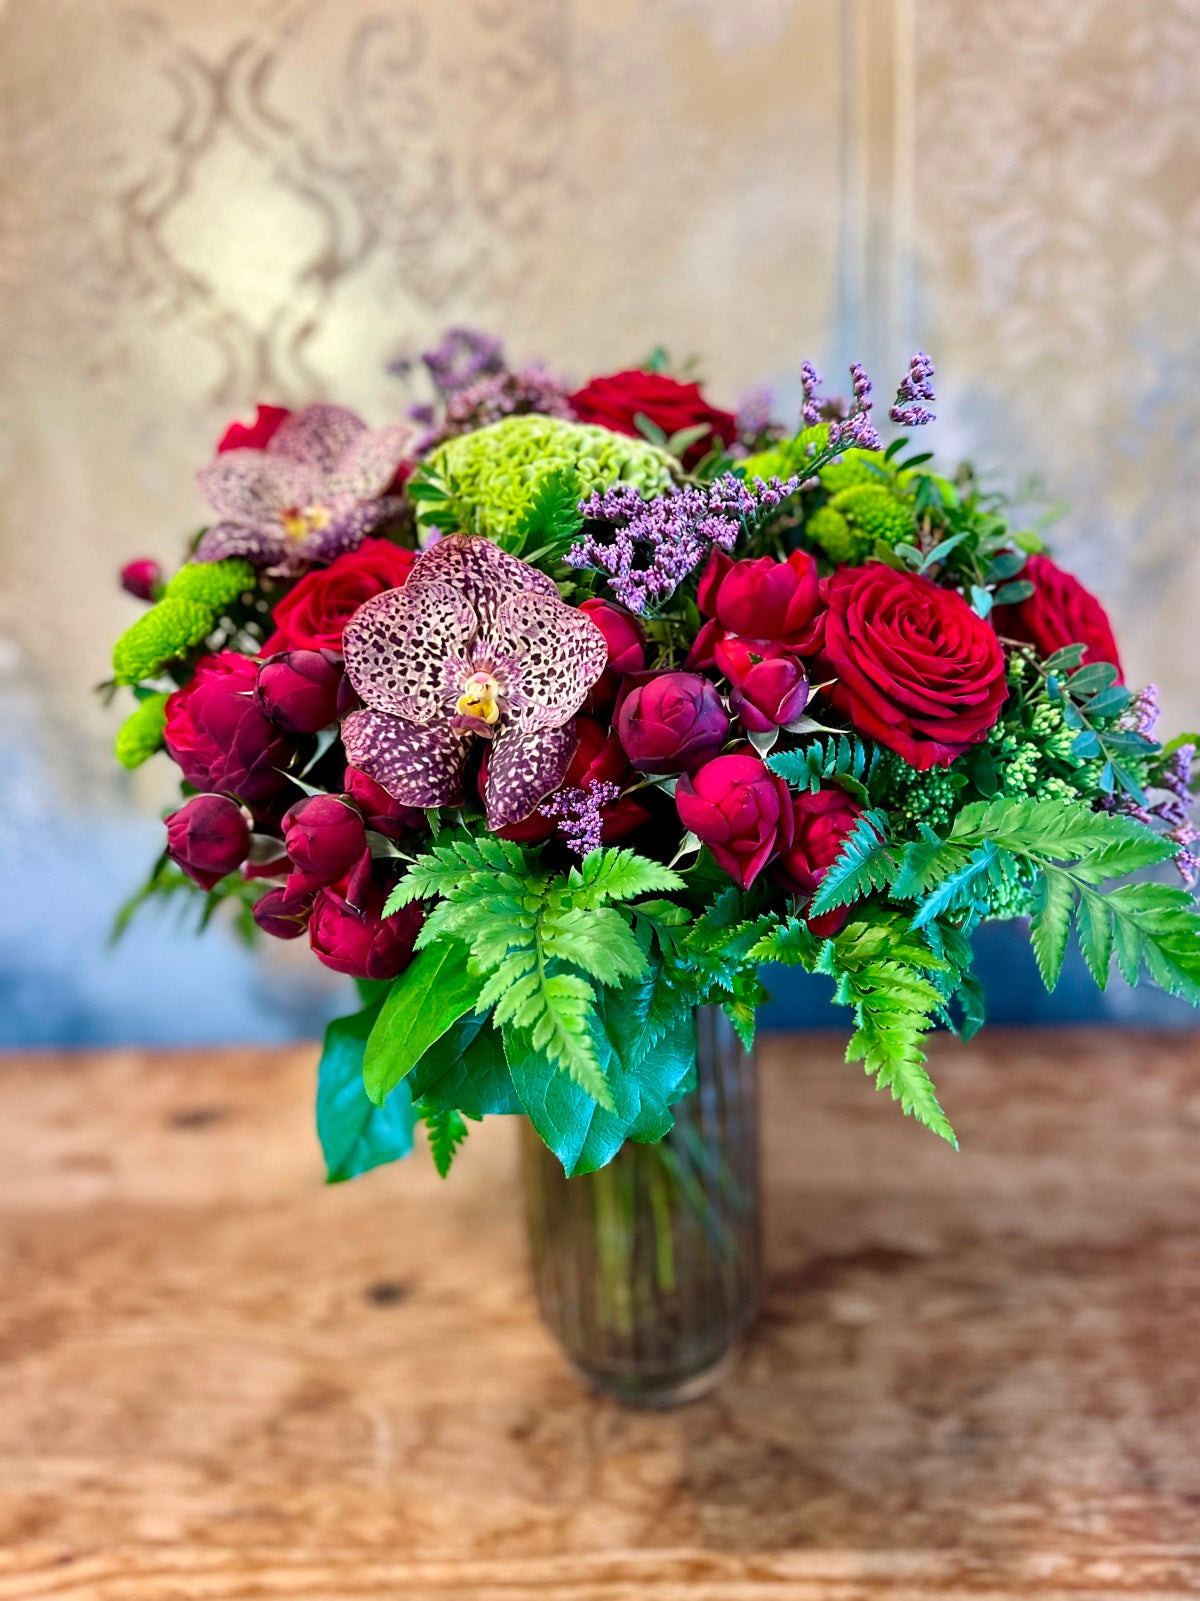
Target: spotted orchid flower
(314, 493)
(477, 645)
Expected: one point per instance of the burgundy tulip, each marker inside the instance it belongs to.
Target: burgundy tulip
(220, 737)
(324, 837)
(741, 811)
(142, 578)
(298, 689)
(769, 686)
(359, 941)
(208, 837)
(672, 723)
(279, 916)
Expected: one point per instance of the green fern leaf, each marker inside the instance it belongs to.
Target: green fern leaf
(445, 1130)
(1051, 923)
(865, 863)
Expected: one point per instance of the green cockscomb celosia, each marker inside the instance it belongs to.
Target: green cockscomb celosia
(214, 584)
(497, 472)
(164, 634)
(140, 735)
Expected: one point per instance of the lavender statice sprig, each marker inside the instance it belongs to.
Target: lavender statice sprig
(811, 381)
(915, 387)
(646, 548)
(461, 358)
(577, 813)
(856, 429)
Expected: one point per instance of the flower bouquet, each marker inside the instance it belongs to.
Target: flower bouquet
(550, 716)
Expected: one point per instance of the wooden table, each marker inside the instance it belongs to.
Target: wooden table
(978, 1375)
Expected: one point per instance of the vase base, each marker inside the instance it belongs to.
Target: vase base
(650, 1394)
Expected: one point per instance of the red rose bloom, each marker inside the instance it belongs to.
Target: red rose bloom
(759, 598)
(671, 722)
(256, 435)
(741, 811)
(615, 401)
(916, 668)
(219, 736)
(820, 824)
(313, 614)
(1059, 612)
(598, 759)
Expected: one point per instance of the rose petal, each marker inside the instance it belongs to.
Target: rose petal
(523, 769)
(418, 766)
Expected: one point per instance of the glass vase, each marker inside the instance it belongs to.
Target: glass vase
(649, 1270)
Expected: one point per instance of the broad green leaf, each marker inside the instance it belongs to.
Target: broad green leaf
(434, 991)
(355, 1134)
(465, 1071)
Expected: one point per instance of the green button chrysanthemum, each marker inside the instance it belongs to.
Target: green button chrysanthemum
(166, 632)
(140, 735)
(212, 583)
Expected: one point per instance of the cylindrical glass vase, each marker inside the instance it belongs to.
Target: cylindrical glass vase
(649, 1270)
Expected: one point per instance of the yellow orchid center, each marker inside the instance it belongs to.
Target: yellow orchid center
(480, 698)
(300, 521)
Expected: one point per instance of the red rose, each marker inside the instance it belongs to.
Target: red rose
(770, 689)
(276, 915)
(916, 668)
(671, 722)
(820, 824)
(598, 759)
(313, 614)
(740, 809)
(759, 598)
(1059, 612)
(219, 736)
(324, 836)
(256, 435)
(615, 401)
(626, 650)
(357, 939)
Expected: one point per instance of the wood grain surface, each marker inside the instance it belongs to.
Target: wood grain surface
(978, 1375)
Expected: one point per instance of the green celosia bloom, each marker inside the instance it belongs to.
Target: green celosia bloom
(166, 632)
(497, 471)
(140, 735)
(214, 584)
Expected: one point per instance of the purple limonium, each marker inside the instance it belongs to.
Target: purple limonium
(314, 493)
(647, 547)
(503, 394)
(857, 429)
(915, 387)
(462, 357)
(476, 645)
(577, 813)
(754, 420)
(811, 380)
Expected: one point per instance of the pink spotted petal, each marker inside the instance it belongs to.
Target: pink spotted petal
(317, 435)
(397, 643)
(250, 486)
(257, 545)
(555, 654)
(368, 467)
(522, 770)
(485, 574)
(417, 766)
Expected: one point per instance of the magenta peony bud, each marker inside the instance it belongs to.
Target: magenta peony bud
(381, 812)
(276, 915)
(208, 837)
(626, 642)
(359, 941)
(672, 723)
(218, 735)
(741, 811)
(770, 688)
(141, 578)
(298, 689)
(324, 836)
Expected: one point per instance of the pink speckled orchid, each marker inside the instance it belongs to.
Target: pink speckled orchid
(477, 645)
(314, 493)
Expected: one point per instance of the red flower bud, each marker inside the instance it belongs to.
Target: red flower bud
(672, 723)
(770, 688)
(218, 734)
(141, 578)
(626, 650)
(324, 836)
(820, 824)
(762, 598)
(298, 689)
(276, 915)
(256, 435)
(208, 837)
(383, 814)
(740, 809)
(358, 940)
